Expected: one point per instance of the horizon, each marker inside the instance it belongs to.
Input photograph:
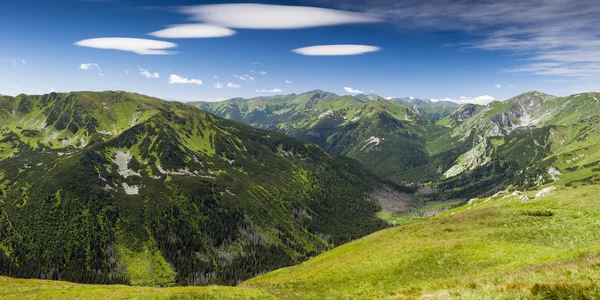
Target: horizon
(207, 51)
(305, 92)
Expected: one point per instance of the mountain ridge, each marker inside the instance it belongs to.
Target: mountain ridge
(117, 187)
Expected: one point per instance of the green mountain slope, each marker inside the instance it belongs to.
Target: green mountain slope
(116, 187)
(496, 247)
(526, 141)
(386, 137)
(513, 245)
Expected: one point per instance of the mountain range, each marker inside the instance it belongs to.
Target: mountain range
(460, 150)
(117, 187)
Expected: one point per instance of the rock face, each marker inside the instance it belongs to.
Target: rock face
(523, 141)
(545, 192)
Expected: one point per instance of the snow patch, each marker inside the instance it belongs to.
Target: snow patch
(122, 160)
(42, 125)
(327, 113)
(173, 172)
(131, 190)
(372, 140)
(554, 172)
(135, 117)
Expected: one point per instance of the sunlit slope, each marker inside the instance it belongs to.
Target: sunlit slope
(171, 194)
(18, 289)
(386, 136)
(497, 247)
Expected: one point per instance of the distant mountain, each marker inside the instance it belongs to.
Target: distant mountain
(367, 128)
(463, 150)
(118, 187)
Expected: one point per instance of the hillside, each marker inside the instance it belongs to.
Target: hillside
(527, 141)
(497, 247)
(500, 247)
(387, 136)
(116, 187)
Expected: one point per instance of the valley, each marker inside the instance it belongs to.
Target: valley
(432, 200)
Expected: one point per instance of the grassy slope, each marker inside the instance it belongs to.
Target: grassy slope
(488, 249)
(492, 248)
(13, 288)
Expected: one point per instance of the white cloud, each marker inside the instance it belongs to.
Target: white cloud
(90, 66)
(218, 85)
(193, 31)
(252, 71)
(511, 86)
(216, 77)
(336, 50)
(126, 71)
(23, 61)
(276, 90)
(176, 79)
(352, 91)
(148, 74)
(52, 90)
(554, 37)
(244, 77)
(262, 73)
(288, 82)
(498, 86)
(233, 86)
(264, 16)
(14, 62)
(481, 100)
(139, 46)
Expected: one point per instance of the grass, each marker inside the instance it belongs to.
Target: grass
(493, 248)
(489, 249)
(13, 288)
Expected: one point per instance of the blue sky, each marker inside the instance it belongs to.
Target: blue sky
(438, 49)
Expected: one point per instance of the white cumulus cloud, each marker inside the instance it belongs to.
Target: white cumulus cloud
(148, 74)
(193, 31)
(498, 86)
(90, 66)
(288, 82)
(352, 91)
(276, 90)
(264, 16)
(176, 79)
(262, 73)
(233, 86)
(336, 50)
(218, 85)
(139, 46)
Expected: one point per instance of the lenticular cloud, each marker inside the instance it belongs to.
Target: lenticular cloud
(335, 50)
(264, 16)
(139, 46)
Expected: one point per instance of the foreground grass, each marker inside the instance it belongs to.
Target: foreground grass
(14, 288)
(493, 248)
